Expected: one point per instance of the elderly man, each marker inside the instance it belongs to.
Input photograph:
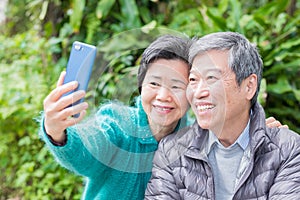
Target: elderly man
(229, 153)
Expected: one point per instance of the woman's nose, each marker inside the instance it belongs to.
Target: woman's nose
(163, 94)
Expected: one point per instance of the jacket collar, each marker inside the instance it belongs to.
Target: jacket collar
(257, 127)
(195, 144)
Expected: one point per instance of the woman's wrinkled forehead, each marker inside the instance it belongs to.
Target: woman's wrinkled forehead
(169, 69)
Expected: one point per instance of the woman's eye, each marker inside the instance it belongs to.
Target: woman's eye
(154, 84)
(175, 87)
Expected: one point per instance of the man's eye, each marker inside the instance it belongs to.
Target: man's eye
(211, 77)
(192, 79)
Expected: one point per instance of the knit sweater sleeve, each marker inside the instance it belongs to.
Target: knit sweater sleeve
(91, 145)
(71, 154)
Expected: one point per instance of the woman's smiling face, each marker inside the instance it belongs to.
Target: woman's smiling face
(164, 92)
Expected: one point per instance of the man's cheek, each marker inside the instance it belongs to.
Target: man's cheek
(189, 93)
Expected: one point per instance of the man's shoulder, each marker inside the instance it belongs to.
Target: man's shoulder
(181, 139)
(177, 135)
(282, 135)
(173, 146)
(284, 139)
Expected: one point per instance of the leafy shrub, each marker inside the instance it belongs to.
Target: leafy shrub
(26, 168)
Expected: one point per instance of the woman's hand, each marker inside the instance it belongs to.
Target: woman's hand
(272, 122)
(57, 115)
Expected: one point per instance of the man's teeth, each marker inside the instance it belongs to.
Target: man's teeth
(204, 107)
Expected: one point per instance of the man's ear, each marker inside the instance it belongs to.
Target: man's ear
(250, 86)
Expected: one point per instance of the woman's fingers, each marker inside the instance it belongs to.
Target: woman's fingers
(61, 90)
(61, 78)
(57, 121)
(284, 126)
(70, 111)
(272, 122)
(59, 110)
(70, 121)
(66, 101)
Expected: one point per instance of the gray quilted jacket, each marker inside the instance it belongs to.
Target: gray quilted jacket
(272, 167)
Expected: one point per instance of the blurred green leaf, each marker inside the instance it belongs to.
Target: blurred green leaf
(218, 20)
(103, 8)
(297, 94)
(281, 86)
(236, 15)
(262, 92)
(76, 14)
(292, 66)
(130, 13)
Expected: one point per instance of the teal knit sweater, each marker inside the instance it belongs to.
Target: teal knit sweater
(113, 150)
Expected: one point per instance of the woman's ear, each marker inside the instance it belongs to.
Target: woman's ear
(250, 86)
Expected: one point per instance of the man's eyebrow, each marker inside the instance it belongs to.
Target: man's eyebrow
(206, 70)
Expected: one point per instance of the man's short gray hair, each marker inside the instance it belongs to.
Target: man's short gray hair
(243, 59)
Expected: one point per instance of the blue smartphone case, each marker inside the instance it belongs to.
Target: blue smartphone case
(79, 67)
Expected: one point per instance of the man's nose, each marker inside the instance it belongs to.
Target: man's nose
(201, 89)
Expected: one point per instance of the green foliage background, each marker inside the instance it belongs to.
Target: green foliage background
(34, 46)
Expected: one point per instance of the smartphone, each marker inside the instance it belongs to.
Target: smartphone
(79, 67)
